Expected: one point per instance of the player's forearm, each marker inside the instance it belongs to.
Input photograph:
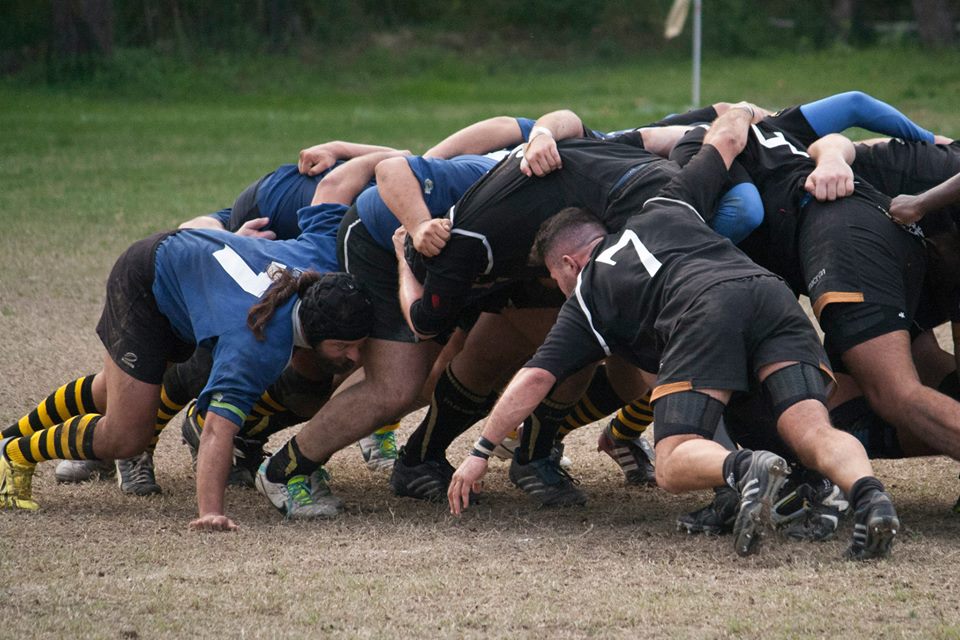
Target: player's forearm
(213, 463)
(943, 195)
(348, 150)
(401, 192)
(202, 222)
(410, 291)
(344, 184)
(662, 140)
(527, 390)
(728, 133)
(481, 137)
(562, 125)
(833, 147)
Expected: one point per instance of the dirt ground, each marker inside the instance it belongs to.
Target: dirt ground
(95, 563)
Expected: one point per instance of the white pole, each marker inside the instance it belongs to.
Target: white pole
(697, 38)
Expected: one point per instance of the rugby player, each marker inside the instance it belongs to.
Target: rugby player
(172, 291)
(657, 292)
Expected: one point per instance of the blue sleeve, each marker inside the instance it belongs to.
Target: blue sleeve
(222, 216)
(738, 213)
(526, 126)
(857, 109)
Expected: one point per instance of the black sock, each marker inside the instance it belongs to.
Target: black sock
(735, 465)
(540, 431)
(453, 410)
(863, 489)
(289, 462)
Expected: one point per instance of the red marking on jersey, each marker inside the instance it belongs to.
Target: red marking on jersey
(435, 300)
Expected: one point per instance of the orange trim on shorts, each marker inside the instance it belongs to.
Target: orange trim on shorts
(667, 389)
(835, 296)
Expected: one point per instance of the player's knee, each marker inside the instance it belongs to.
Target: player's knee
(792, 384)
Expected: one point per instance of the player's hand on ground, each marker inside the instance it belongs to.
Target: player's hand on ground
(540, 156)
(431, 236)
(252, 229)
(905, 209)
(213, 522)
(465, 479)
(315, 160)
(832, 179)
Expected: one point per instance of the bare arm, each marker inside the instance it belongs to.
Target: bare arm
(540, 156)
(409, 289)
(344, 183)
(906, 209)
(481, 137)
(202, 222)
(527, 389)
(320, 157)
(661, 140)
(401, 192)
(213, 466)
(833, 176)
(728, 133)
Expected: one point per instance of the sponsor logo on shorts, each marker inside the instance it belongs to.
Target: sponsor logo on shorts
(129, 359)
(902, 315)
(816, 279)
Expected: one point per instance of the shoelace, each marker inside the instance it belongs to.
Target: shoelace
(386, 444)
(299, 490)
(141, 471)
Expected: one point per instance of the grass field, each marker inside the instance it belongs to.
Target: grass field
(86, 169)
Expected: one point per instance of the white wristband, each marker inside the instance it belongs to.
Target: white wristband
(539, 131)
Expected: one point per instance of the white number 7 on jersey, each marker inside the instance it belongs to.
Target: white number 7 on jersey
(650, 263)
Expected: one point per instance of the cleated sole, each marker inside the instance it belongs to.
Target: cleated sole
(756, 519)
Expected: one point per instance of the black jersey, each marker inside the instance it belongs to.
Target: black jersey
(632, 294)
(495, 222)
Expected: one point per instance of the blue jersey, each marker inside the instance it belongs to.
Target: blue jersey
(279, 195)
(206, 281)
(442, 183)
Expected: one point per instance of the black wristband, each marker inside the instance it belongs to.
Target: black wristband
(483, 448)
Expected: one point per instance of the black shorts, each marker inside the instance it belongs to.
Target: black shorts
(376, 268)
(851, 252)
(136, 335)
(732, 330)
(245, 207)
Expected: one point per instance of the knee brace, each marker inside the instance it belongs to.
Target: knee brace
(790, 385)
(686, 412)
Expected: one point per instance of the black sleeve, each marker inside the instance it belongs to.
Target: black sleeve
(694, 116)
(570, 345)
(701, 183)
(632, 138)
(792, 122)
(447, 284)
(688, 146)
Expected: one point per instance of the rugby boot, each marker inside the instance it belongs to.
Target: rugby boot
(136, 475)
(16, 483)
(425, 481)
(74, 471)
(758, 488)
(631, 457)
(875, 526)
(546, 482)
(809, 507)
(294, 498)
(716, 518)
(379, 450)
(320, 489)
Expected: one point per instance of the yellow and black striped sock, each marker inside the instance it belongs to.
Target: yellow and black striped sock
(72, 440)
(168, 409)
(258, 422)
(632, 420)
(72, 399)
(597, 402)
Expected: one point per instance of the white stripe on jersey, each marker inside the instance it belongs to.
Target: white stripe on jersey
(482, 238)
(346, 245)
(586, 312)
(686, 204)
(253, 283)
